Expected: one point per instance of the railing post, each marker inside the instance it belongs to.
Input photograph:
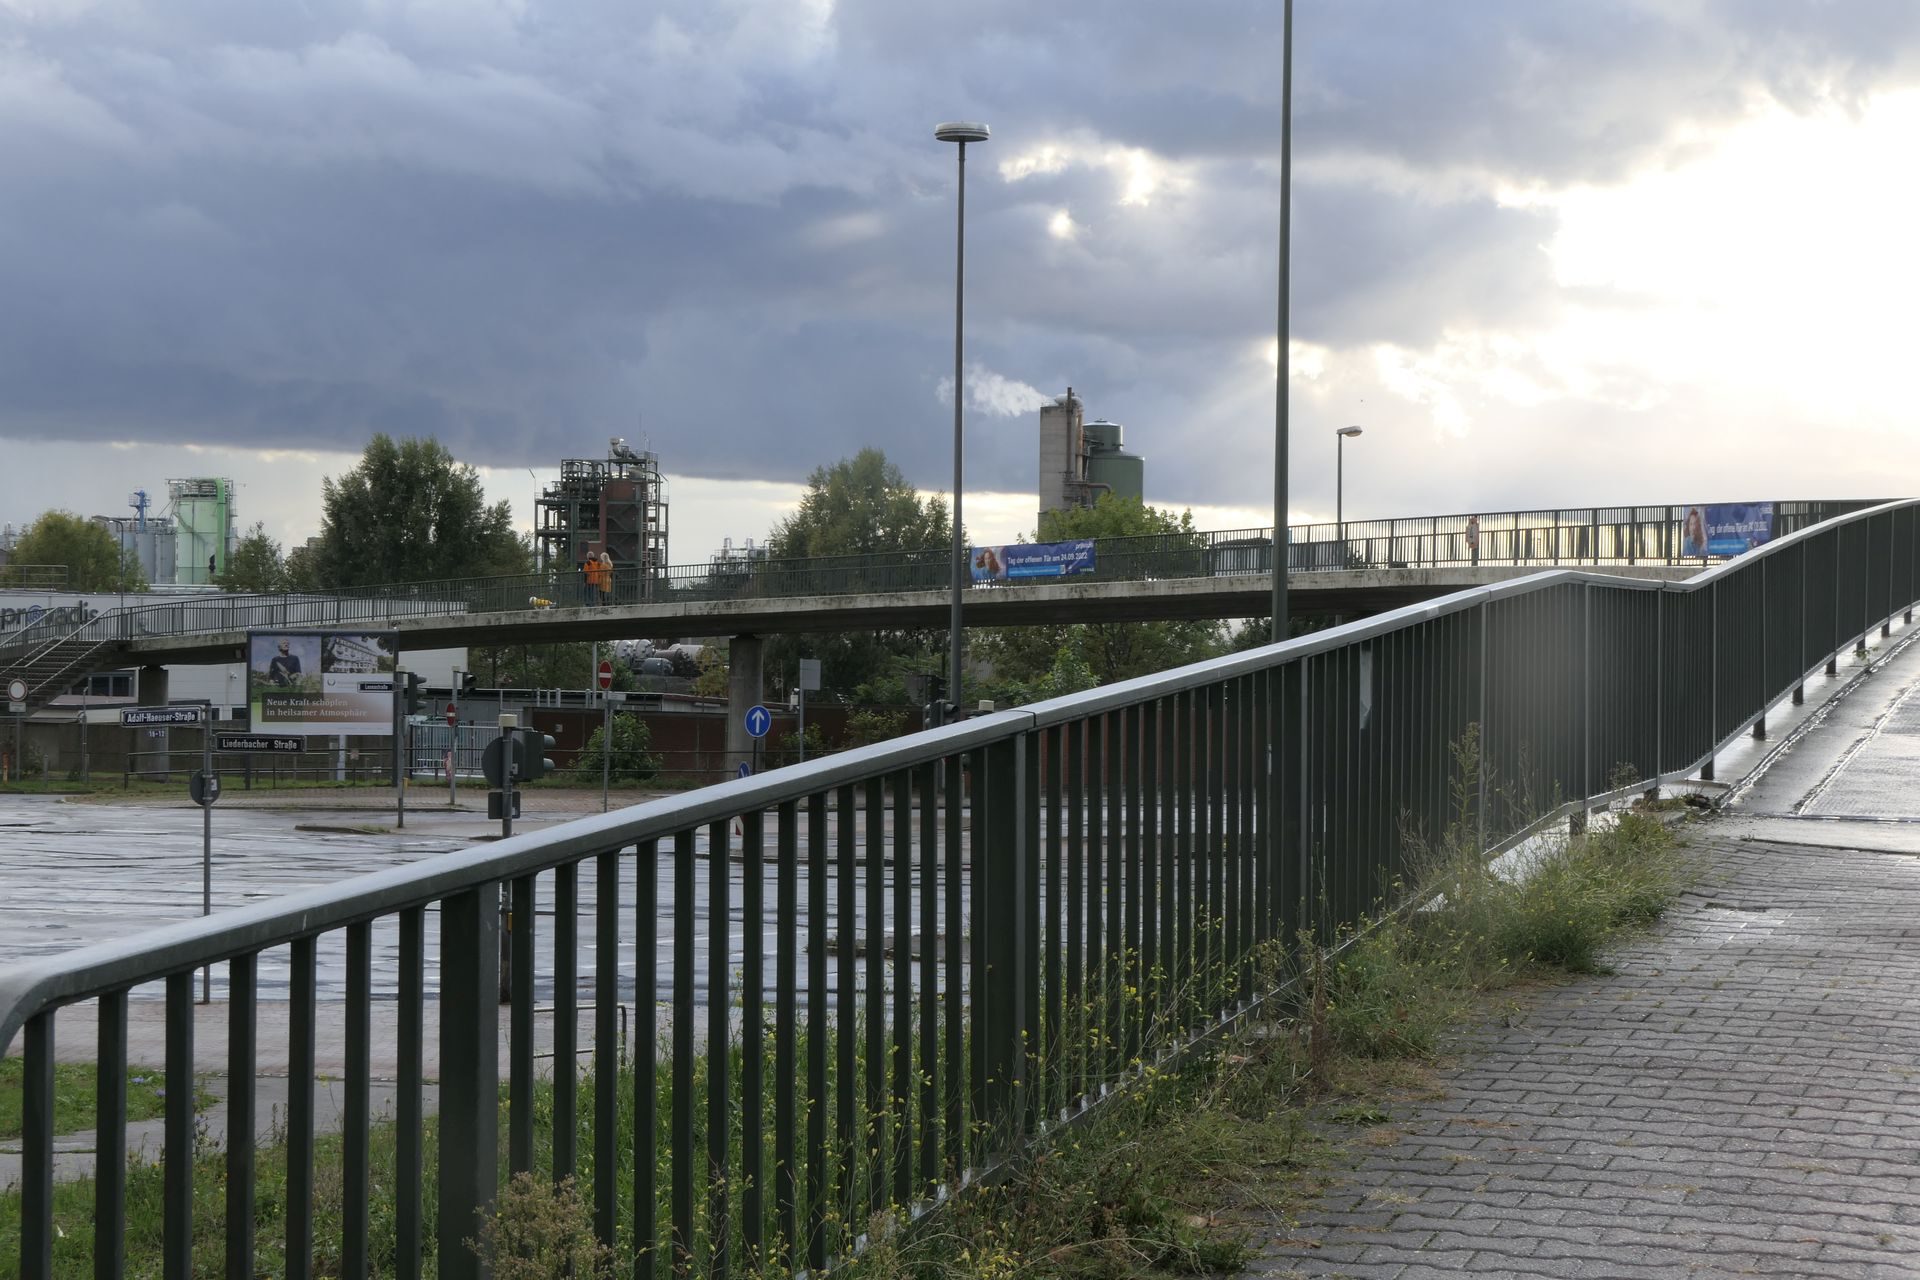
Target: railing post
(470, 1074)
(1659, 690)
(1713, 681)
(999, 856)
(1578, 823)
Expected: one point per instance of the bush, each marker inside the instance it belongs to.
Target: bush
(541, 1231)
(630, 762)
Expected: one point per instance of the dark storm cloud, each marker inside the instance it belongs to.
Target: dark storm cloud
(725, 226)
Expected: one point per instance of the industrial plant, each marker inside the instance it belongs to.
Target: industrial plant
(186, 544)
(1081, 460)
(616, 505)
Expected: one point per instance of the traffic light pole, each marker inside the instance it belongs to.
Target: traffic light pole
(453, 744)
(399, 741)
(606, 743)
(507, 725)
(206, 842)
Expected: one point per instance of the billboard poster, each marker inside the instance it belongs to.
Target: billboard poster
(1725, 529)
(1032, 560)
(321, 682)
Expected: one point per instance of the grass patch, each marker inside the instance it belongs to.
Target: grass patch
(74, 1092)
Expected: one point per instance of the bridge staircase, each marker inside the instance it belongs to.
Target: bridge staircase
(51, 667)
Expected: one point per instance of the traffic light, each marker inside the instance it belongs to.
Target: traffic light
(534, 762)
(416, 700)
(467, 682)
(936, 688)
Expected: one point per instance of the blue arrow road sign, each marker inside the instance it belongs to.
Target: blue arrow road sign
(759, 720)
(746, 770)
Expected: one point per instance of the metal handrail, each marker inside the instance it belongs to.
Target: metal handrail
(1574, 535)
(1272, 790)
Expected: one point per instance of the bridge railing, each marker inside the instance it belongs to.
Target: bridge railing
(879, 973)
(1606, 535)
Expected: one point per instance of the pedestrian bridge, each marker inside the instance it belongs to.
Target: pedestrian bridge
(1348, 570)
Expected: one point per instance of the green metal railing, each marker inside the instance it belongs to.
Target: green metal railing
(975, 932)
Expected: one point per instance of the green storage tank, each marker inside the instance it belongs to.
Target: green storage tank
(1110, 465)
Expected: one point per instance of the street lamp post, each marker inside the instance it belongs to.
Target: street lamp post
(960, 132)
(1340, 478)
(1280, 424)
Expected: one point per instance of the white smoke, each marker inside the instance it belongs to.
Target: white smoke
(989, 392)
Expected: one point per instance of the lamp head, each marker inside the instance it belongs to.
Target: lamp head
(960, 131)
(1348, 431)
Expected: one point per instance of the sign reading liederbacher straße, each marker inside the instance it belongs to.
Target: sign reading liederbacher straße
(256, 742)
(1032, 560)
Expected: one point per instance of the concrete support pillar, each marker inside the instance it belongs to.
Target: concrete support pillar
(1760, 729)
(746, 685)
(151, 691)
(1799, 695)
(1833, 666)
(1706, 770)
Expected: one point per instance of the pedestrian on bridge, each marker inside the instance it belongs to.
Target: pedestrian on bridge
(606, 578)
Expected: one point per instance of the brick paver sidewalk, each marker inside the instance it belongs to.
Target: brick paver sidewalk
(1742, 1097)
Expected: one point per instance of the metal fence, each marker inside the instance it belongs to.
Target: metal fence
(1595, 535)
(970, 934)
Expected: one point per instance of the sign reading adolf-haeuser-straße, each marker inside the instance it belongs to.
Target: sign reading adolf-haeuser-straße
(136, 716)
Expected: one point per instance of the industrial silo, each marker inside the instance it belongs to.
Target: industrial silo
(1110, 468)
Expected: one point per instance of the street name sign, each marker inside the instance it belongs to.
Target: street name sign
(256, 742)
(130, 716)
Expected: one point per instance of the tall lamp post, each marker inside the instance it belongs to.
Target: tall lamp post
(1340, 478)
(1286, 337)
(961, 132)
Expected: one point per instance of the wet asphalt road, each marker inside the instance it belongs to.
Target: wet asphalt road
(74, 874)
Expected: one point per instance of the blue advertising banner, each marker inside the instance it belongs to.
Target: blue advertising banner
(1725, 529)
(1032, 560)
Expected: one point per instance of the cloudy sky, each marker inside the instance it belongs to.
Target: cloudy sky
(1544, 253)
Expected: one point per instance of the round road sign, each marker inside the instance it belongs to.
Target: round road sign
(759, 720)
(453, 716)
(16, 690)
(606, 674)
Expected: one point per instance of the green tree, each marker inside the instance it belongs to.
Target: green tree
(711, 682)
(861, 506)
(537, 666)
(862, 509)
(93, 559)
(1026, 659)
(409, 512)
(631, 760)
(255, 565)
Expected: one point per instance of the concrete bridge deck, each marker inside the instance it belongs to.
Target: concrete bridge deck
(1740, 1097)
(1332, 592)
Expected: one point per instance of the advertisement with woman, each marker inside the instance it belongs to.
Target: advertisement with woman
(1724, 529)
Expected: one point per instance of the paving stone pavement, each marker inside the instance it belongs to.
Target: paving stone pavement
(1740, 1097)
